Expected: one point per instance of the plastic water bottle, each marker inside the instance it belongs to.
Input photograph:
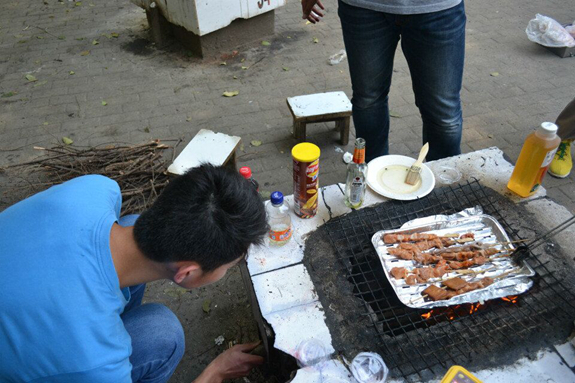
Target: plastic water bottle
(279, 220)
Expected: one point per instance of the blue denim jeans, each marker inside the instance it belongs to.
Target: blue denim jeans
(434, 47)
(157, 335)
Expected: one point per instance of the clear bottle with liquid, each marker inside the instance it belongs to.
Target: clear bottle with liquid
(536, 155)
(356, 180)
(279, 220)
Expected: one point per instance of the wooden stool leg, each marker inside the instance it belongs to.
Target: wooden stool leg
(342, 125)
(299, 131)
(231, 162)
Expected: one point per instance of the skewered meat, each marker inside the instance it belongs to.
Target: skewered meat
(409, 246)
(476, 285)
(399, 272)
(468, 235)
(395, 238)
(424, 273)
(411, 279)
(455, 283)
(435, 293)
(400, 253)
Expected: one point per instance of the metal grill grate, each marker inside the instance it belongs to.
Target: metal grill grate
(418, 344)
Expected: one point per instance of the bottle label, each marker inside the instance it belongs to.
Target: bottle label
(280, 236)
(548, 158)
(359, 156)
(356, 190)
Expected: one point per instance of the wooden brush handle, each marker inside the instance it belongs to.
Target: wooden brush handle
(422, 154)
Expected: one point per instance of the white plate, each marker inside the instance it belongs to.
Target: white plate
(386, 176)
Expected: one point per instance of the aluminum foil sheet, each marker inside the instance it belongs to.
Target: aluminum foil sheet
(516, 278)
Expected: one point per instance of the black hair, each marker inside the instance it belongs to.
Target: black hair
(210, 215)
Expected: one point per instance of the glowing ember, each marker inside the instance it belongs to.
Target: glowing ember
(426, 315)
(474, 308)
(511, 298)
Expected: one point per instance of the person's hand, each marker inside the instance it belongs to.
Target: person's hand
(311, 10)
(233, 363)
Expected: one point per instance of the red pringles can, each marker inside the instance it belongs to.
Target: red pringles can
(305, 179)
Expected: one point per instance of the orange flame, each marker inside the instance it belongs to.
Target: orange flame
(474, 308)
(511, 298)
(426, 315)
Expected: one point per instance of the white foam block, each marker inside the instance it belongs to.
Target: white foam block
(283, 289)
(319, 104)
(331, 370)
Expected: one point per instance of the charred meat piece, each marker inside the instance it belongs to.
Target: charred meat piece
(455, 283)
(435, 293)
(398, 272)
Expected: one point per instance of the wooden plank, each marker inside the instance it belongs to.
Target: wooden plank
(206, 147)
(343, 126)
(331, 103)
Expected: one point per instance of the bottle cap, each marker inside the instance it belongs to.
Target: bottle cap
(276, 198)
(547, 129)
(246, 172)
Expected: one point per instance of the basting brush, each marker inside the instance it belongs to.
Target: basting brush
(415, 170)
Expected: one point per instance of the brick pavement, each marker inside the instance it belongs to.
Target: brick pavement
(152, 93)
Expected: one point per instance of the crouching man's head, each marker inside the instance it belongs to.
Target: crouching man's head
(202, 224)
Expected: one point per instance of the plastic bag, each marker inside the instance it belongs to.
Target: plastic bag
(571, 29)
(548, 32)
(369, 367)
(338, 57)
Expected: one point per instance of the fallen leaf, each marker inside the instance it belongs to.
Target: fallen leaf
(223, 63)
(490, 136)
(307, 22)
(285, 68)
(256, 143)
(45, 123)
(189, 119)
(289, 37)
(231, 93)
(245, 67)
(61, 37)
(31, 78)
(114, 35)
(85, 53)
(67, 141)
(9, 94)
(394, 115)
(175, 292)
(206, 306)
(40, 83)
(315, 40)
(79, 38)
(22, 41)
(95, 42)
(235, 77)
(265, 194)
(266, 43)
(72, 73)
(242, 60)
(104, 103)
(78, 3)
(494, 74)
(40, 37)
(147, 129)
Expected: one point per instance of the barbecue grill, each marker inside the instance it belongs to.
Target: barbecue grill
(363, 311)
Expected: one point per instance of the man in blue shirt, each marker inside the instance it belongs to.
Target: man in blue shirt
(72, 277)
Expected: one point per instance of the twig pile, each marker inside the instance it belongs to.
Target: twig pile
(140, 170)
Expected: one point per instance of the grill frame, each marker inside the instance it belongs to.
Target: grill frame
(416, 348)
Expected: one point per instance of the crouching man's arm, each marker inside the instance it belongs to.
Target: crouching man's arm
(233, 363)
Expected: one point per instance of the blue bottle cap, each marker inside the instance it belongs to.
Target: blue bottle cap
(277, 198)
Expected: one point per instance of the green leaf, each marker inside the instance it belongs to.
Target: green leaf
(206, 306)
(315, 40)
(40, 37)
(235, 77)
(67, 141)
(114, 35)
(285, 68)
(78, 3)
(8, 94)
(40, 83)
(223, 63)
(266, 43)
(394, 115)
(45, 123)
(84, 53)
(31, 78)
(104, 103)
(494, 74)
(256, 143)
(95, 42)
(245, 67)
(231, 93)
(79, 38)
(72, 73)
(147, 129)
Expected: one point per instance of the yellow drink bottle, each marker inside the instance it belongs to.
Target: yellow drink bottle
(536, 155)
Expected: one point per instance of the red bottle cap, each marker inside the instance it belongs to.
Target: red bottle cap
(246, 172)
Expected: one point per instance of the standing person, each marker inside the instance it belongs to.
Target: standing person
(562, 163)
(73, 273)
(432, 34)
